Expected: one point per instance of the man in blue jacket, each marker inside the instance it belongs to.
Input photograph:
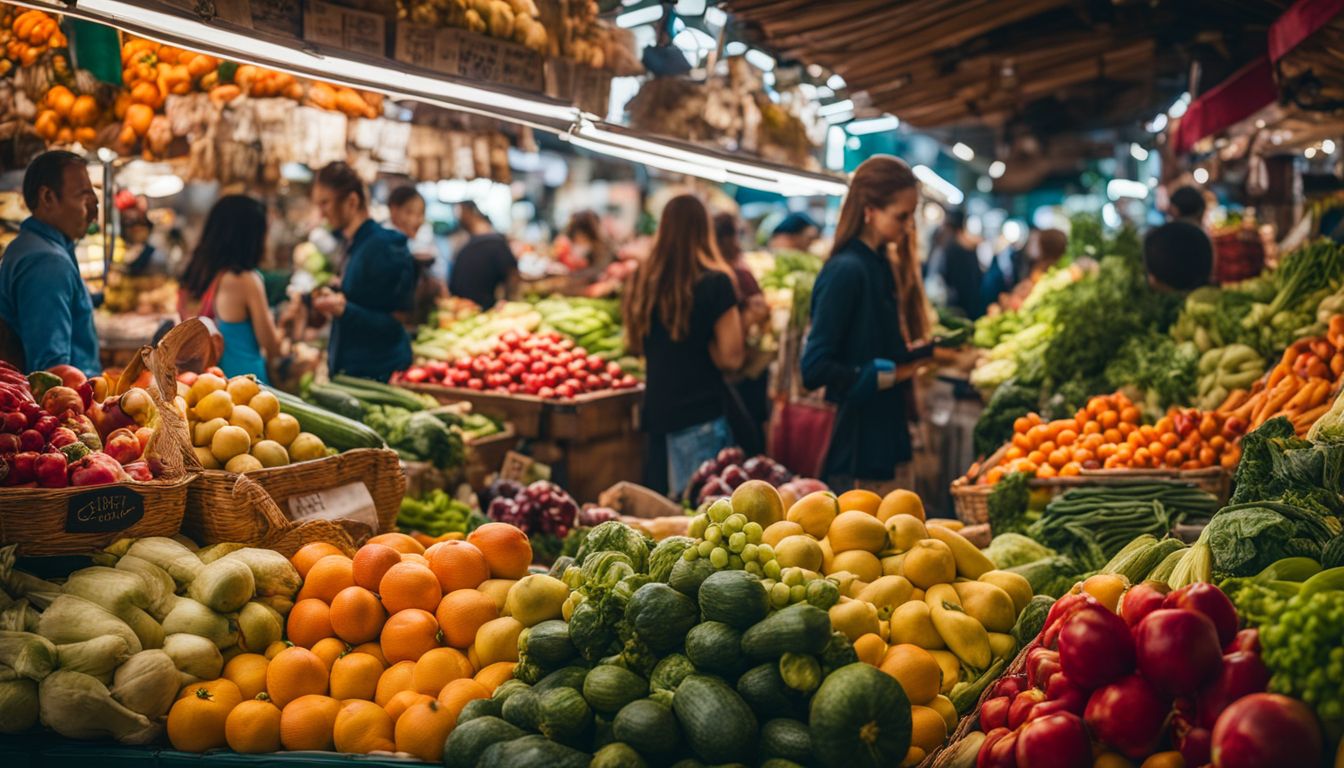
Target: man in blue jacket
(43, 301)
(378, 280)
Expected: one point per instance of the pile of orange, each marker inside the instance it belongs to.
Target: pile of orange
(383, 651)
(1108, 434)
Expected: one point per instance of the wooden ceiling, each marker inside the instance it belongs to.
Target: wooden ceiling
(1049, 66)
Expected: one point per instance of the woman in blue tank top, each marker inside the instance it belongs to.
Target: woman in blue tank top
(221, 282)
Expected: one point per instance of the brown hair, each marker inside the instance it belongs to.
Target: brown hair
(875, 184)
(342, 179)
(726, 235)
(665, 283)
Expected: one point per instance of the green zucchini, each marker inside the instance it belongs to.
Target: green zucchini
(477, 708)
(715, 647)
(568, 677)
(735, 598)
(335, 400)
(378, 393)
(608, 688)
(764, 691)
(647, 726)
(800, 628)
(335, 430)
(523, 710)
(547, 644)
(531, 752)
(719, 725)
(661, 616)
(564, 716)
(469, 740)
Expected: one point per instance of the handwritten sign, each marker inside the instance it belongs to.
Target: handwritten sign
(345, 28)
(351, 501)
(103, 510)
(470, 55)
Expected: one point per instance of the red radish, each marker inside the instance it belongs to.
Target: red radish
(1178, 651)
(1209, 600)
(1128, 715)
(1265, 730)
(1095, 647)
(1243, 673)
(1141, 600)
(1057, 741)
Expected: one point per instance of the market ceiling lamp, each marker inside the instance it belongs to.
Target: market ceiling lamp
(873, 125)
(942, 187)
(1120, 188)
(963, 152)
(190, 33)
(650, 159)
(997, 169)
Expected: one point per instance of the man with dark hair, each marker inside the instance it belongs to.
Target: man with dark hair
(1187, 204)
(378, 280)
(485, 263)
(44, 303)
(796, 232)
(1179, 257)
(959, 266)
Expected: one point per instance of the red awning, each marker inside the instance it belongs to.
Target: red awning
(1246, 92)
(1300, 22)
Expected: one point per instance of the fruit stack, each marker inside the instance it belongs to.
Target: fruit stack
(237, 427)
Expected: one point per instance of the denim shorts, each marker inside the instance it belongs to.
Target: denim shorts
(688, 448)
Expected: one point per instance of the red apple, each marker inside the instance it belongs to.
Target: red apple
(1266, 730)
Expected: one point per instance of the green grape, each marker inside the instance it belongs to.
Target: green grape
(750, 552)
(779, 595)
(713, 533)
(705, 547)
(737, 542)
(766, 551)
(735, 563)
(697, 527)
(736, 521)
(691, 554)
(797, 593)
(753, 568)
(754, 531)
(793, 577)
(771, 568)
(719, 557)
(720, 510)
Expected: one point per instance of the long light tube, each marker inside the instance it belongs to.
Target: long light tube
(650, 159)
(942, 186)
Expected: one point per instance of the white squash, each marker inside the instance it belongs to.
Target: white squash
(223, 586)
(98, 657)
(190, 617)
(214, 552)
(147, 683)
(259, 625)
(30, 655)
(272, 571)
(18, 706)
(180, 563)
(71, 619)
(116, 590)
(194, 655)
(159, 586)
(78, 706)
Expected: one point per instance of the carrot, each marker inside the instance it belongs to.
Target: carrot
(1281, 370)
(1336, 326)
(1249, 407)
(1307, 396)
(1234, 400)
(1274, 403)
(1337, 364)
(1304, 420)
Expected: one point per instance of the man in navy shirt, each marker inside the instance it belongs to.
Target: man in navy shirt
(367, 339)
(43, 301)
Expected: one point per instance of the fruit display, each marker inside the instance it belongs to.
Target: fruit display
(594, 324)
(56, 431)
(721, 475)
(239, 426)
(542, 510)
(549, 366)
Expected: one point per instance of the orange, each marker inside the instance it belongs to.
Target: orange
(458, 565)
(404, 700)
(308, 722)
(1021, 424)
(506, 549)
(327, 578)
(309, 621)
(410, 585)
(253, 727)
(373, 649)
(456, 694)
(1013, 452)
(439, 667)
(394, 680)
(409, 634)
(1066, 437)
(371, 562)
(356, 615)
(362, 727)
(248, 672)
(329, 649)
(223, 690)
(422, 730)
(870, 648)
(860, 500)
(60, 99)
(461, 613)
(196, 721)
(495, 675)
(295, 672)
(84, 112)
(355, 676)
(276, 647)
(411, 557)
(400, 542)
(915, 669)
(309, 554)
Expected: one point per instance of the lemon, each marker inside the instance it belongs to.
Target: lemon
(243, 388)
(799, 550)
(215, 405)
(242, 463)
(205, 431)
(270, 453)
(306, 447)
(229, 442)
(536, 598)
(204, 385)
(282, 428)
(245, 417)
(265, 404)
(206, 458)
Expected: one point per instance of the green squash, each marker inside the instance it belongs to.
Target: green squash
(859, 718)
(735, 598)
(617, 755)
(800, 628)
(531, 752)
(608, 688)
(529, 672)
(547, 644)
(469, 740)
(566, 677)
(664, 557)
(523, 710)
(787, 740)
(564, 716)
(648, 726)
(764, 690)
(688, 575)
(1032, 619)
(592, 636)
(670, 671)
(715, 648)
(800, 672)
(477, 708)
(839, 653)
(509, 688)
(661, 616)
(719, 725)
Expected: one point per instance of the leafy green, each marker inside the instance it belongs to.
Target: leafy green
(995, 425)
(419, 436)
(1247, 538)
(615, 536)
(1008, 504)
(1276, 465)
(1156, 364)
(1008, 550)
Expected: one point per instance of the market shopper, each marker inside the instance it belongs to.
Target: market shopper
(681, 313)
(868, 325)
(485, 265)
(748, 404)
(378, 281)
(959, 267)
(1187, 204)
(589, 244)
(221, 282)
(46, 312)
(796, 232)
(1178, 256)
(406, 213)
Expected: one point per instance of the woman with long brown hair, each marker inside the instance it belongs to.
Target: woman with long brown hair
(868, 317)
(681, 313)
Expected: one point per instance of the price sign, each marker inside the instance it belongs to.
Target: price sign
(103, 510)
(351, 501)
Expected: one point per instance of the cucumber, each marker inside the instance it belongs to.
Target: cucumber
(470, 739)
(335, 430)
(378, 393)
(800, 628)
(715, 647)
(335, 400)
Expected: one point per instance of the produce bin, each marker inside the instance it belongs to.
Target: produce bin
(523, 411)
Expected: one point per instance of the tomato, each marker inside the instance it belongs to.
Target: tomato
(546, 392)
(474, 383)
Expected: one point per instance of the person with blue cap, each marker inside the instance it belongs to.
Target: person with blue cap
(796, 232)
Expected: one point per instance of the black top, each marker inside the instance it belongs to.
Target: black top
(483, 264)
(684, 387)
(379, 279)
(962, 275)
(855, 320)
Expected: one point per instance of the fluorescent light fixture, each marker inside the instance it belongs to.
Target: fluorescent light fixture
(1201, 176)
(650, 159)
(1309, 152)
(835, 108)
(640, 16)
(629, 3)
(715, 17)
(1328, 147)
(690, 7)
(735, 48)
(945, 189)
(1011, 230)
(1260, 124)
(198, 36)
(1158, 123)
(963, 152)
(836, 82)
(815, 70)
(1118, 188)
(873, 125)
(1178, 108)
(853, 143)
(997, 169)
(825, 92)
(1138, 153)
(166, 185)
(839, 118)
(760, 59)
(835, 148)
(1110, 216)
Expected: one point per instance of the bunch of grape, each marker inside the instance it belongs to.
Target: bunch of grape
(540, 508)
(798, 585)
(729, 541)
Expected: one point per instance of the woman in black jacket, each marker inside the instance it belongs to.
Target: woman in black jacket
(868, 318)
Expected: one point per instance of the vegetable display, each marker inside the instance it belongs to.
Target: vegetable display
(594, 324)
(1300, 386)
(437, 514)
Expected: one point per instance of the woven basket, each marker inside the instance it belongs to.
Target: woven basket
(70, 521)
(942, 757)
(256, 509)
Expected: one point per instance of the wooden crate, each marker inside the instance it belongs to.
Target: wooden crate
(485, 456)
(594, 416)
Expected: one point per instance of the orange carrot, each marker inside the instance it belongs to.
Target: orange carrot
(1234, 400)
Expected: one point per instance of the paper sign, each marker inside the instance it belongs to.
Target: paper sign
(351, 501)
(515, 467)
(345, 28)
(106, 509)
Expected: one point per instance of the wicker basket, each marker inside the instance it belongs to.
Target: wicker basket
(942, 757)
(258, 508)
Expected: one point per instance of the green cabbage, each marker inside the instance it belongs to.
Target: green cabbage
(665, 556)
(615, 536)
(1009, 550)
